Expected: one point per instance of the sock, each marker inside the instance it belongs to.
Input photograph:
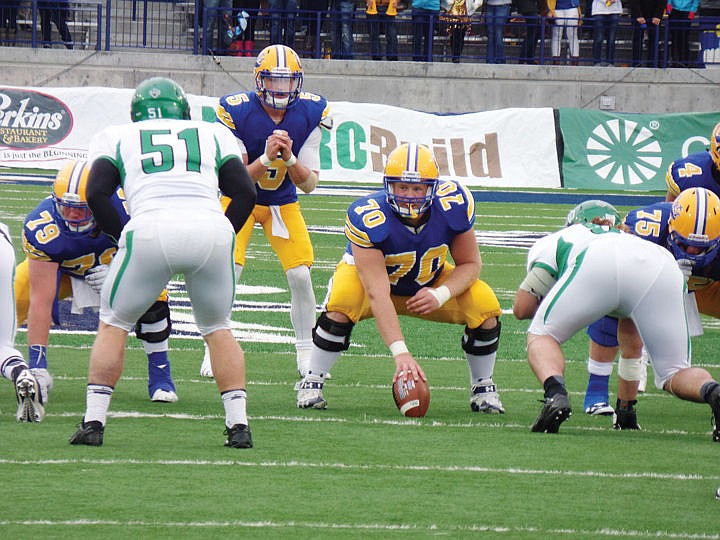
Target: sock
(304, 350)
(598, 387)
(98, 402)
(481, 366)
(235, 403)
(159, 375)
(37, 356)
(555, 385)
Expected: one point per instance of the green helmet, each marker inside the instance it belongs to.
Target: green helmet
(158, 98)
(588, 211)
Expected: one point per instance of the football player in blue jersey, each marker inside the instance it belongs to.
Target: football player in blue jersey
(700, 169)
(67, 257)
(279, 128)
(689, 228)
(12, 364)
(396, 263)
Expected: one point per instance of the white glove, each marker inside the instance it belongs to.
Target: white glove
(686, 267)
(95, 277)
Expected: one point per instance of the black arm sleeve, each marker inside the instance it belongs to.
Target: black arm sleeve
(103, 181)
(235, 182)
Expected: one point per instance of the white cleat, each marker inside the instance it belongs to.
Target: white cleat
(45, 381)
(164, 396)
(484, 398)
(309, 394)
(206, 367)
(29, 397)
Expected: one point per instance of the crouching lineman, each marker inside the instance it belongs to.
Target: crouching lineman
(12, 364)
(587, 270)
(67, 256)
(396, 264)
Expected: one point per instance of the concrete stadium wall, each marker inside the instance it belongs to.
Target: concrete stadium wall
(431, 87)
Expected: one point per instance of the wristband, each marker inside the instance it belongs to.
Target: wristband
(292, 161)
(265, 161)
(398, 347)
(442, 294)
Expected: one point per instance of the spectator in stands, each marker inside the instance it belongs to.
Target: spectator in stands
(252, 8)
(681, 14)
(566, 17)
(315, 12)
(456, 21)
(531, 11)
(343, 12)
(54, 12)
(646, 16)
(381, 13)
(425, 14)
(216, 11)
(8, 21)
(497, 13)
(605, 15)
(282, 22)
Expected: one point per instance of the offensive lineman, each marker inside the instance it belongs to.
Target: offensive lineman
(170, 167)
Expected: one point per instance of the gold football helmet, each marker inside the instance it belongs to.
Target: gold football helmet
(278, 76)
(694, 226)
(413, 164)
(715, 146)
(70, 198)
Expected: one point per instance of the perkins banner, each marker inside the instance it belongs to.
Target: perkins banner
(44, 127)
(617, 152)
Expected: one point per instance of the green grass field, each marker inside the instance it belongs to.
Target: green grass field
(358, 469)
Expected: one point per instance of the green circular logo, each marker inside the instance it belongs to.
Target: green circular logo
(623, 152)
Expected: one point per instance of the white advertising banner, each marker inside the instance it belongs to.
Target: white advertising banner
(43, 127)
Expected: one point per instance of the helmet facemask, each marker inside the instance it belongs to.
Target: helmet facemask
(74, 212)
(695, 225)
(279, 88)
(409, 206)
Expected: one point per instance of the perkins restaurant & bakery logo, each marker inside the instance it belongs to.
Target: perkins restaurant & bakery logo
(30, 119)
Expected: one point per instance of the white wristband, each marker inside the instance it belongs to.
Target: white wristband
(265, 161)
(441, 294)
(398, 347)
(292, 161)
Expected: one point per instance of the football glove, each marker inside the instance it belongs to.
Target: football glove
(95, 277)
(686, 267)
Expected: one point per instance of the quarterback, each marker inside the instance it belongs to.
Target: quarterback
(170, 167)
(279, 130)
(67, 256)
(396, 263)
(584, 271)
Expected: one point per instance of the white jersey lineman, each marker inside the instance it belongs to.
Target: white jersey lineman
(600, 273)
(169, 171)
(7, 298)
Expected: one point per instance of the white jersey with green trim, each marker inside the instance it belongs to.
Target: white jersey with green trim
(167, 164)
(559, 250)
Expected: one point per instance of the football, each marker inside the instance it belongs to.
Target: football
(411, 397)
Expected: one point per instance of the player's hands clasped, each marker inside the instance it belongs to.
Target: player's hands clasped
(279, 144)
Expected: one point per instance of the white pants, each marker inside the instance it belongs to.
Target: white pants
(640, 281)
(7, 297)
(565, 19)
(155, 246)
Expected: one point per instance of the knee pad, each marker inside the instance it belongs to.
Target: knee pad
(155, 325)
(326, 325)
(481, 341)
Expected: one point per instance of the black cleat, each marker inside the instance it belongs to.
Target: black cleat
(555, 411)
(715, 405)
(89, 434)
(238, 436)
(625, 417)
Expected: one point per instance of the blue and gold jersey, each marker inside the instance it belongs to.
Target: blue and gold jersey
(45, 238)
(696, 170)
(244, 115)
(414, 257)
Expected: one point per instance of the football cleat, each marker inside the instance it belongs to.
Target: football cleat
(163, 396)
(206, 367)
(625, 417)
(29, 398)
(238, 436)
(89, 434)
(555, 411)
(309, 394)
(715, 405)
(484, 398)
(45, 380)
(601, 408)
